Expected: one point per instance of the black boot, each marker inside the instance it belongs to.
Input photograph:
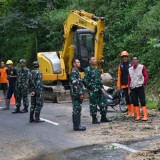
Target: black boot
(31, 119)
(37, 117)
(17, 110)
(7, 104)
(73, 120)
(105, 119)
(76, 123)
(95, 120)
(25, 110)
(82, 127)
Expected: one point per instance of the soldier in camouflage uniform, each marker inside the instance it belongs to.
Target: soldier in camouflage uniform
(23, 77)
(36, 89)
(94, 84)
(76, 91)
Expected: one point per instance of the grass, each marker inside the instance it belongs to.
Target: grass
(152, 102)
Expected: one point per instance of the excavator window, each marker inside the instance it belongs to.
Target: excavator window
(84, 43)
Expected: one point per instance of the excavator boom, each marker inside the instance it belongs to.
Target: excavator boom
(81, 19)
(83, 37)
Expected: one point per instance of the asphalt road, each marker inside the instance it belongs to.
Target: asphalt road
(55, 139)
(19, 138)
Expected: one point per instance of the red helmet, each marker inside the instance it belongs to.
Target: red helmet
(124, 53)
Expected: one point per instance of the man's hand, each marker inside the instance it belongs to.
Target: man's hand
(129, 91)
(103, 90)
(81, 98)
(32, 94)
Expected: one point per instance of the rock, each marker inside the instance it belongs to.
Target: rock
(107, 79)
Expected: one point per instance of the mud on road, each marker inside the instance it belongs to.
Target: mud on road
(49, 142)
(97, 142)
(125, 130)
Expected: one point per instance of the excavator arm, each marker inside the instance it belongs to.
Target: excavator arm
(83, 36)
(81, 19)
(57, 65)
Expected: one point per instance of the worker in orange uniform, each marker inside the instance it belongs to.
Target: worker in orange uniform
(3, 79)
(122, 81)
(12, 79)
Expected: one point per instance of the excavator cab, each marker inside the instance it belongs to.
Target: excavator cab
(83, 37)
(84, 46)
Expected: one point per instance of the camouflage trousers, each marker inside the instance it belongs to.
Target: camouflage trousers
(22, 95)
(97, 99)
(77, 105)
(36, 102)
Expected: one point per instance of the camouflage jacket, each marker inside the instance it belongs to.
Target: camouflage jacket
(23, 77)
(76, 84)
(92, 79)
(36, 84)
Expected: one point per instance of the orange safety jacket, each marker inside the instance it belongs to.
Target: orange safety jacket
(119, 79)
(3, 75)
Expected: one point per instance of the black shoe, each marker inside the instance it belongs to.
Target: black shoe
(37, 117)
(38, 121)
(76, 123)
(17, 110)
(31, 120)
(5, 108)
(24, 110)
(80, 128)
(95, 120)
(105, 119)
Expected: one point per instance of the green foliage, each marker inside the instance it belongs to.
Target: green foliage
(131, 25)
(152, 102)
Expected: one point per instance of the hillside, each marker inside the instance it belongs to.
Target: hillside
(27, 27)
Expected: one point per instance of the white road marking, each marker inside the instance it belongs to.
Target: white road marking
(46, 120)
(124, 147)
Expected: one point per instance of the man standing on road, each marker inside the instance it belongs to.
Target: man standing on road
(138, 78)
(3, 79)
(36, 88)
(76, 91)
(23, 77)
(122, 81)
(12, 78)
(94, 84)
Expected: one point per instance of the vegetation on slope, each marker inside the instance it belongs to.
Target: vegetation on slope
(27, 27)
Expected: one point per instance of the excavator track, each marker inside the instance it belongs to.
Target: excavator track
(58, 94)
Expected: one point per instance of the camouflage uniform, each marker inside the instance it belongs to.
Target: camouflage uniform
(23, 77)
(36, 86)
(76, 90)
(94, 84)
(36, 92)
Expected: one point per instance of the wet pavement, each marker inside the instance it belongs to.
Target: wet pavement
(20, 140)
(99, 152)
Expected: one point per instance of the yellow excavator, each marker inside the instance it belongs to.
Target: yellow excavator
(83, 37)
